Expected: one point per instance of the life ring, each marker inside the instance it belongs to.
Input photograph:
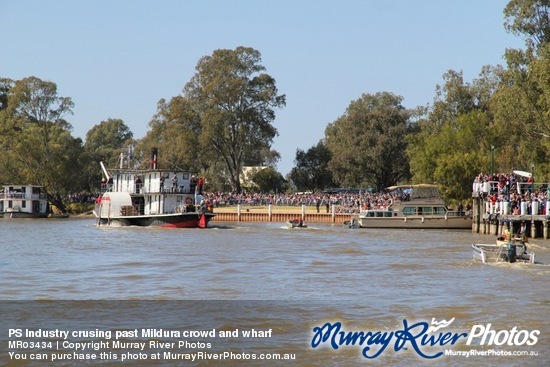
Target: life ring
(188, 200)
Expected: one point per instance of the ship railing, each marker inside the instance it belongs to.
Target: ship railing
(184, 208)
(495, 188)
(23, 196)
(158, 190)
(175, 190)
(462, 213)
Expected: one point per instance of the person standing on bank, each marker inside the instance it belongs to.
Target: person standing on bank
(318, 203)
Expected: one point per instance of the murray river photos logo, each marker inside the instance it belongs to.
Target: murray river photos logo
(427, 340)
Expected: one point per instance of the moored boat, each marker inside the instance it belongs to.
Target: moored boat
(153, 197)
(415, 207)
(23, 201)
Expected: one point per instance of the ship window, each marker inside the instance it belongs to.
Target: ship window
(23, 204)
(409, 211)
(439, 210)
(427, 211)
(387, 214)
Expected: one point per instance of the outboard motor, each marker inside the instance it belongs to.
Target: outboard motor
(511, 252)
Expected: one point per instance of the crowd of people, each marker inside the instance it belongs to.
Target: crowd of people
(83, 197)
(513, 189)
(345, 202)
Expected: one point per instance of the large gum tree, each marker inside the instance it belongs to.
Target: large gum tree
(226, 110)
(368, 142)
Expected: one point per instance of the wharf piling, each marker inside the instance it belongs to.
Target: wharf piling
(488, 219)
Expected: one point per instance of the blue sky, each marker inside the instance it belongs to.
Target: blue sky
(118, 58)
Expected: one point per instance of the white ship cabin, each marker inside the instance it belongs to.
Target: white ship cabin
(151, 193)
(23, 198)
(153, 182)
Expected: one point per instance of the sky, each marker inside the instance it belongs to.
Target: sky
(118, 58)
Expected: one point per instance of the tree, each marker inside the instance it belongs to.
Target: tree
(368, 142)
(311, 172)
(454, 138)
(175, 131)
(531, 18)
(35, 136)
(104, 143)
(521, 104)
(269, 180)
(228, 106)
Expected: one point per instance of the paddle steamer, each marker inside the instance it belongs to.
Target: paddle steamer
(152, 197)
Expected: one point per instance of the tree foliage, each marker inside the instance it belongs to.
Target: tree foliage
(530, 18)
(454, 141)
(225, 113)
(35, 137)
(311, 172)
(104, 143)
(368, 142)
(269, 180)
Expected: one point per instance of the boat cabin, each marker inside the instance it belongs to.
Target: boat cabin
(144, 192)
(29, 199)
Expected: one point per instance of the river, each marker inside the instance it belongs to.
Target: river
(67, 274)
